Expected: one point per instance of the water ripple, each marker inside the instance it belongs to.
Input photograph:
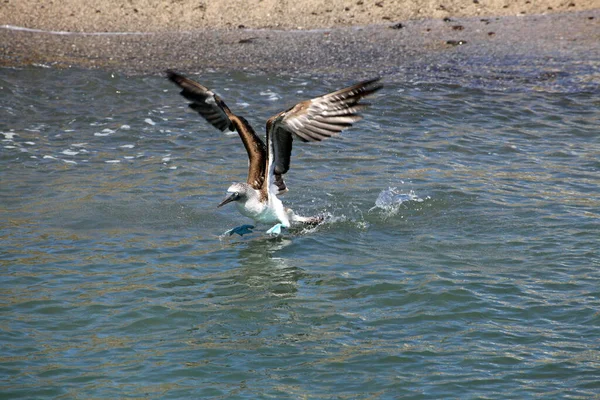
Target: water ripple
(459, 257)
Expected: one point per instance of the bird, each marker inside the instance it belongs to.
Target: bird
(311, 120)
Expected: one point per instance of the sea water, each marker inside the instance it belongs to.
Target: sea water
(459, 258)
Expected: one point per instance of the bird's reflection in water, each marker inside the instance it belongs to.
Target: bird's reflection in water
(263, 267)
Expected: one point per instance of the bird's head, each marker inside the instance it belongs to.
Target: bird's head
(236, 192)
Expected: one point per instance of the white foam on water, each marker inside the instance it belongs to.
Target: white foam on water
(149, 121)
(21, 28)
(9, 135)
(69, 152)
(127, 146)
(125, 127)
(112, 161)
(105, 132)
(271, 96)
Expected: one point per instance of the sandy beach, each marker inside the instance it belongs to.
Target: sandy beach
(189, 15)
(145, 36)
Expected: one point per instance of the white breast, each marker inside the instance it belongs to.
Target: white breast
(271, 212)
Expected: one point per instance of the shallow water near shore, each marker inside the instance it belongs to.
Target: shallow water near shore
(459, 259)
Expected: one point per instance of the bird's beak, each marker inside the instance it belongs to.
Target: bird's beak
(228, 199)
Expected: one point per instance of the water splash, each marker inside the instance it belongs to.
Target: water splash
(390, 200)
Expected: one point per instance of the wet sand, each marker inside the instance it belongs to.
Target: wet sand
(385, 45)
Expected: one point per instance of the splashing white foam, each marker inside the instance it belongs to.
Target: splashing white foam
(390, 200)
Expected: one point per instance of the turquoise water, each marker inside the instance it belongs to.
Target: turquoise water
(460, 258)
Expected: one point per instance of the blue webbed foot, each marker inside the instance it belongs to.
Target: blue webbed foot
(240, 230)
(275, 230)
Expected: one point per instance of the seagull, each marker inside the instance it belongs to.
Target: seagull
(309, 121)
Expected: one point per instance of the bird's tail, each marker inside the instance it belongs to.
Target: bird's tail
(312, 221)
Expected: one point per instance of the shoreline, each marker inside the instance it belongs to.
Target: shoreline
(555, 44)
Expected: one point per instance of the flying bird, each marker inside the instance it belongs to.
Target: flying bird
(309, 121)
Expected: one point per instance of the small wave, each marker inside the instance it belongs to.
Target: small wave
(24, 29)
(105, 132)
(271, 96)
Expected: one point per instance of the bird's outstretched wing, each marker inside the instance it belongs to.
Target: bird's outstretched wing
(313, 120)
(204, 101)
(215, 111)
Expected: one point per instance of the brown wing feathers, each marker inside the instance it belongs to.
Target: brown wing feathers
(315, 120)
(215, 111)
(311, 120)
(204, 101)
(328, 115)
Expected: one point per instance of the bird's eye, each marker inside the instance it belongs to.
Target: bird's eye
(237, 194)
